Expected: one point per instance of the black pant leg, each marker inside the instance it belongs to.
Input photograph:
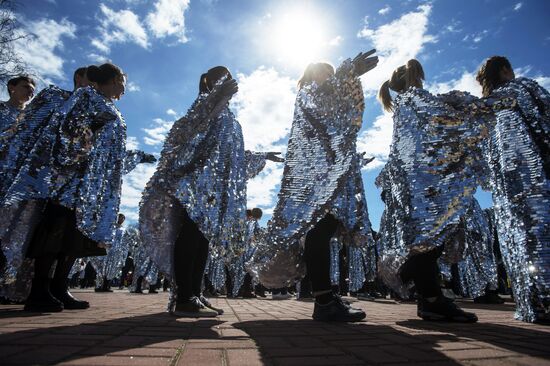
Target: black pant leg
(317, 253)
(201, 257)
(424, 271)
(184, 258)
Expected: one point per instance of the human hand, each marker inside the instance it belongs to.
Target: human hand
(273, 157)
(362, 63)
(148, 158)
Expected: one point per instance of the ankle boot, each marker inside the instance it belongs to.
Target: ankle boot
(60, 289)
(40, 299)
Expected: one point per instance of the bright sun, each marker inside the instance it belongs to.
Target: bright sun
(297, 37)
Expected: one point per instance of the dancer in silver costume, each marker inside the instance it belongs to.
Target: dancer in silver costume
(195, 202)
(519, 162)
(144, 268)
(108, 266)
(20, 90)
(322, 190)
(76, 167)
(427, 186)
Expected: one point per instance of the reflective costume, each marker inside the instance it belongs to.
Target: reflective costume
(240, 259)
(108, 266)
(321, 175)
(429, 180)
(77, 161)
(203, 169)
(143, 265)
(519, 162)
(8, 116)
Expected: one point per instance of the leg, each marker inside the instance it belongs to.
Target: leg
(59, 285)
(328, 306)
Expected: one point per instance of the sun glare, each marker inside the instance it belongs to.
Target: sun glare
(297, 37)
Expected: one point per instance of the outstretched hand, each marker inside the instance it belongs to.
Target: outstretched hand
(273, 157)
(362, 63)
(229, 87)
(148, 158)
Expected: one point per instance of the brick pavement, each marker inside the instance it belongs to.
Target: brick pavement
(130, 329)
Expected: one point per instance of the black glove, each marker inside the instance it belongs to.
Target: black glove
(362, 63)
(273, 157)
(229, 88)
(148, 158)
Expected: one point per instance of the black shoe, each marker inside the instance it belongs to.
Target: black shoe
(43, 302)
(153, 291)
(489, 298)
(443, 309)
(209, 305)
(69, 301)
(337, 310)
(193, 308)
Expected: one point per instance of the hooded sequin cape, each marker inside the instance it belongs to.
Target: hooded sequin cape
(203, 169)
(429, 180)
(519, 161)
(321, 175)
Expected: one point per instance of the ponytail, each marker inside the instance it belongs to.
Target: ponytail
(384, 97)
(203, 84)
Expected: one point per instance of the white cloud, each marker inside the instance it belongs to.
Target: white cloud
(544, 81)
(132, 87)
(168, 19)
(376, 140)
(39, 52)
(467, 82)
(94, 57)
(132, 187)
(385, 10)
(336, 41)
(396, 43)
(171, 112)
(264, 106)
(132, 143)
(157, 133)
(119, 27)
(518, 6)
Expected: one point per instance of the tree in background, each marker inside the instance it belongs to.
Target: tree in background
(10, 32)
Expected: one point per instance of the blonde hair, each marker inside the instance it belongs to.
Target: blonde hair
(401, 79)
(311, 70)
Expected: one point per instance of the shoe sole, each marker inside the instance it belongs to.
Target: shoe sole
(184, 314)
(438, 317)
(341, 320)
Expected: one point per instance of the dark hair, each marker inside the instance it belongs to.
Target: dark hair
(81, 71)
(16, 80)
(257, 213)
(489, 73)
(208, 79)
(401, 79)
(248, 212)
(121, 217)
(104, 73)
(309, 73)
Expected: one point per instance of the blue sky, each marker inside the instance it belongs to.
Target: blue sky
(164, 46)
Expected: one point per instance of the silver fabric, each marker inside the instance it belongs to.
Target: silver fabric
(428, 183)
(109, 266)
(240, 257)
(8, 116)
(478, 270)
(203, 169)
(519, 161)
(321, 176)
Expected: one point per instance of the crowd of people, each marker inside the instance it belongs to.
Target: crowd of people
(63, 156)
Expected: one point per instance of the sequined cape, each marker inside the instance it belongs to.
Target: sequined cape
(203, 169)
(519, 161)
(321, 175)
(431, 175)
(8, 116)
(17, 141)
(108, 266)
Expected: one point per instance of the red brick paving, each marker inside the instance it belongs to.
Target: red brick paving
(129, 329)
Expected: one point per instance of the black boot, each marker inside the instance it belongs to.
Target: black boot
(60, 285)
(40, 299)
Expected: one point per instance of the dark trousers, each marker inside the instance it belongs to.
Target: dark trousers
(424, 271)
(317, 253)
(190, 257)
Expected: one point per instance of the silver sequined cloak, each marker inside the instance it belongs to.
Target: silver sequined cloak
(321, 175)
(203, 168)
(519, 161)
(430, 178)
(108, 266)
(8, 116)
(77, 161)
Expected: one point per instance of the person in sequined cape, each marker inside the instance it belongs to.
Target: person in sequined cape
(518, 155)
(20, 90)
(321, 191)
(427, 186)
(195, 202)
(76, 170)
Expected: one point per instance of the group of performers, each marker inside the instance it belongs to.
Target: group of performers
(63, 156)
